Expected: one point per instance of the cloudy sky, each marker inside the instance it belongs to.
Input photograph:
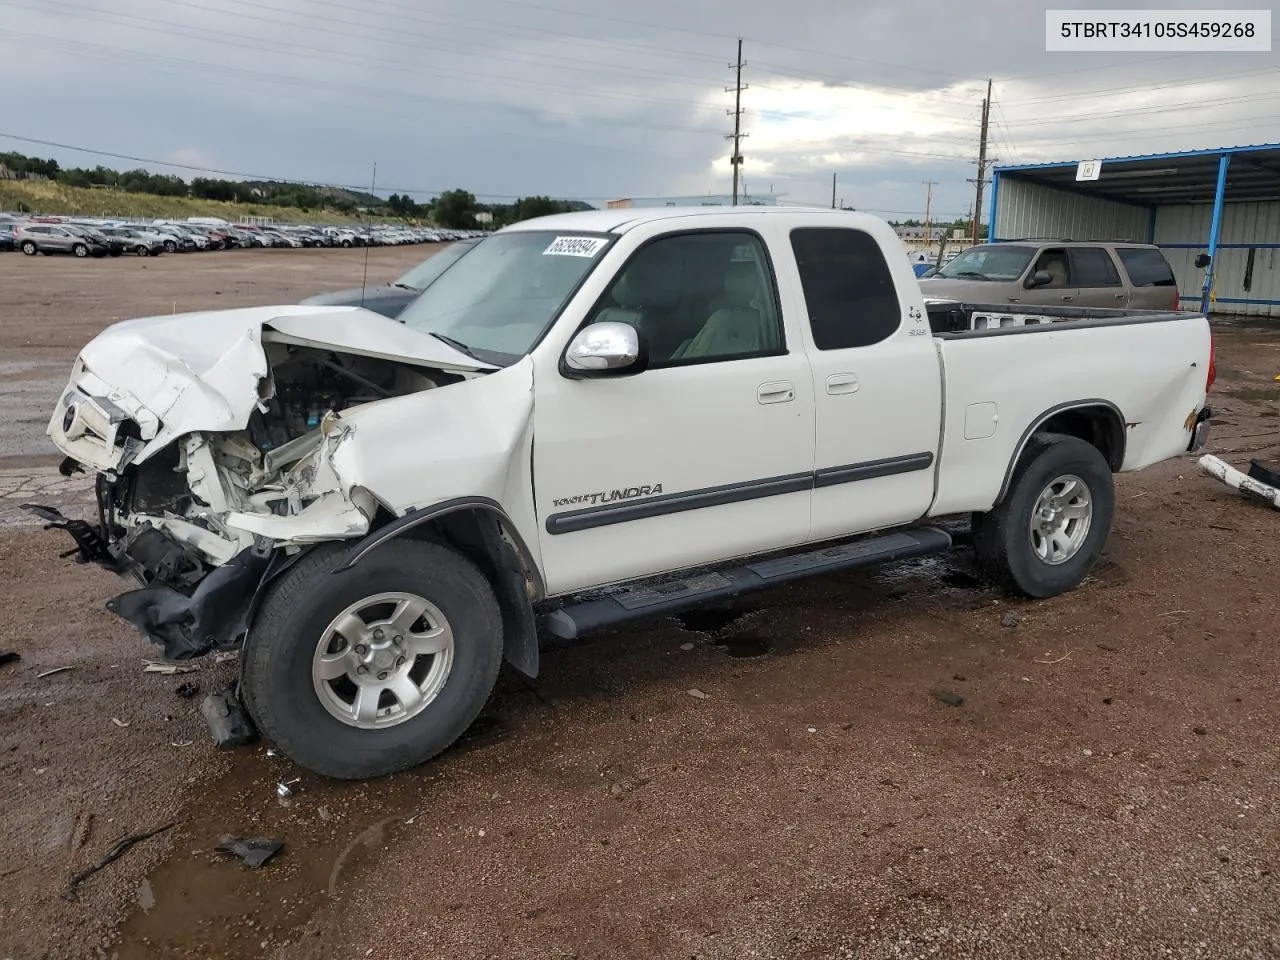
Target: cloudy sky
(597, 99)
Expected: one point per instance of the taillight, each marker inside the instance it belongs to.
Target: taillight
(1213, 367)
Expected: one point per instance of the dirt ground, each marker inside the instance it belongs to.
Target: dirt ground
(1107, 788)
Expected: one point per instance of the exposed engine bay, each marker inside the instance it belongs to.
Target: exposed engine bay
(202, 519)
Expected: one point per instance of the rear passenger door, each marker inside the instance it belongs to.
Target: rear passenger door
(1096, 278)
(876, 382)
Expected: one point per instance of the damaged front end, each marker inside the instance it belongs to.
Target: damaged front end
(200, 521)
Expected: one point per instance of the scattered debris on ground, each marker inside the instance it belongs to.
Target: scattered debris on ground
(695, 692)
(9, 657)
(285, 788)
(117, 851)
(229, 723)
(118, 722)
(948, 697)
(50, 673)
(1010, 619)
(187, 690)
(167, 667)
(252, 851)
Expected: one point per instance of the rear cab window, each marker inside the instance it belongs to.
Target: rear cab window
(1146, 267)
(848, 288)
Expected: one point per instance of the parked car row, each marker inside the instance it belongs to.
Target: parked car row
(101, 237)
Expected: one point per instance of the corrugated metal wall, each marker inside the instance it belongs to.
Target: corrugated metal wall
(1032, 210)
(1242, 223)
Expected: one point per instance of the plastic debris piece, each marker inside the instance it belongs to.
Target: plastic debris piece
(225, 656)
(285, 787)
(187, 690)
(695, 692)
(182, 743)
(118, 722)
(229, 723)
(252, 851)
(167, 667)
(949, 698)
(50, 673)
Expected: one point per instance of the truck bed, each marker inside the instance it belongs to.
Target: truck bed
(953, 318)
(1005, 371)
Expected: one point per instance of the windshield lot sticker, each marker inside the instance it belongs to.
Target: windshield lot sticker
(574, 247)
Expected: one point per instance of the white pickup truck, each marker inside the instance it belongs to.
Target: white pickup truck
(591, 418)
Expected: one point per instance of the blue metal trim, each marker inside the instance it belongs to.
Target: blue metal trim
(1221, 246)
(1215, 229)
(1216, 151)
(1239, 300)
(995, 192)
(1151, 225)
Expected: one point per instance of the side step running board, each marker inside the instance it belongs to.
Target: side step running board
(649, 600)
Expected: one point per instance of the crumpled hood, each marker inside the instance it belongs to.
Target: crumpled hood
(176, 374)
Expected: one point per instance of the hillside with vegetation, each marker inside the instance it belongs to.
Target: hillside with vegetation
(37, 185)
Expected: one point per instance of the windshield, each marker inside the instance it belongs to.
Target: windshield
(989, 262)
(498, 299)
(421, 276)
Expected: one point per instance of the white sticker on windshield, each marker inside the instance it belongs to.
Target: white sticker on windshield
(574, 247)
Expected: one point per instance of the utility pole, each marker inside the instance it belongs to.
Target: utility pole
(833, 191)
(736, 113)
(928, 203)
(982, 164)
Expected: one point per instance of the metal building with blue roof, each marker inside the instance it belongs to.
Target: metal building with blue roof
(1222, 203)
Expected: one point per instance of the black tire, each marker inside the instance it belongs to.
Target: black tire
(29, 248)
(346, 243)
(277, 672)
(143, 251)
(80, 250)
(170, 246)
(1003, 539)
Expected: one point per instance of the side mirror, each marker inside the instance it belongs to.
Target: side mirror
(605, 349)
(1041, 278)
(1202, 261)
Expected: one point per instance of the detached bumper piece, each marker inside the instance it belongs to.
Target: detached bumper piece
(213, 614)
(1250, 485)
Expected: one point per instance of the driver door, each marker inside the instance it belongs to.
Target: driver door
(704, 456)
(1060, 292)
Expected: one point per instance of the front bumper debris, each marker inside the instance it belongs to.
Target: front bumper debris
(212, 615)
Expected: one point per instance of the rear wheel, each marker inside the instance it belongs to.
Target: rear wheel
(1049, 530)
(170, 246)
(367, 671)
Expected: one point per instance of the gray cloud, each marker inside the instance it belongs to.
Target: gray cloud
(598, 100)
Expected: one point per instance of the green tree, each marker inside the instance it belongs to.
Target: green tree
(455, 209)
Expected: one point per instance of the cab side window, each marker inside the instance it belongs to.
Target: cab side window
(848, 289)
(699, 298)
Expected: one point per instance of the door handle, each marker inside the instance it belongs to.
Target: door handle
(1066, 297)
(839, 383)
(779, 391)
(1121, 296)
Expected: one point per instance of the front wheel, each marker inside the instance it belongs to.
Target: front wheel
(1047, 533)
(29, 248)
(80, 250)
(170, 246)
(143, 251)
(364, 672)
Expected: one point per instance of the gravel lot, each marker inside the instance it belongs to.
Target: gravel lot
(1107, 788)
